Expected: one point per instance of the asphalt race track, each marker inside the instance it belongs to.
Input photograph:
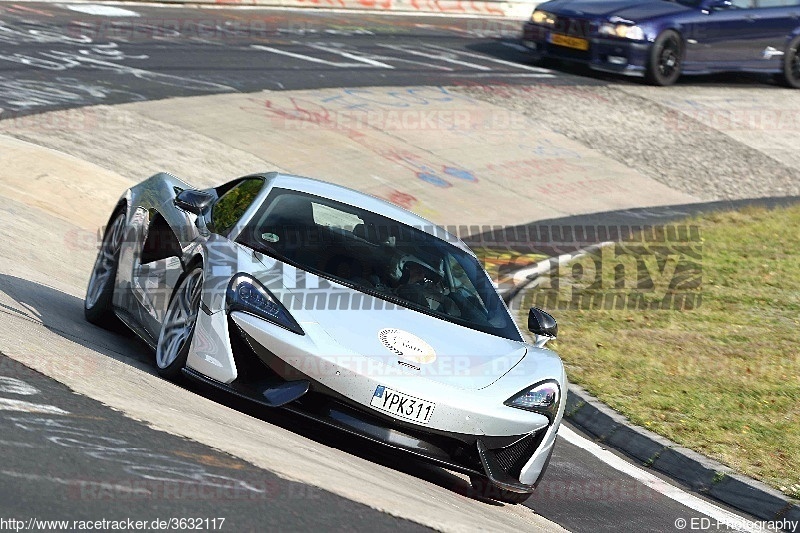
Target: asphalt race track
(181, 52)
(94, 457)
(181, 452)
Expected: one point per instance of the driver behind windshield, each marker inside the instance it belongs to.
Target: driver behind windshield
(422, 285)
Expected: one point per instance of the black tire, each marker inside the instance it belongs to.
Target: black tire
(98, 305)
(665, 59)
(171, 353)
(484, 488)
(790, 76)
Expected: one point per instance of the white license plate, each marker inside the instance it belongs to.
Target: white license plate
(402, 405)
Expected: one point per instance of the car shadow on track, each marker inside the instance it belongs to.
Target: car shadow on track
(62, 314)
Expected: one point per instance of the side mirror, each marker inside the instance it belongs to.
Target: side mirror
(542, 324)
(193, 201)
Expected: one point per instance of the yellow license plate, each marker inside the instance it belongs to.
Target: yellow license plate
(570, 42)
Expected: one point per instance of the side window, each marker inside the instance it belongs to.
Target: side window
(742, 4)
(232, 205)
(334, 218)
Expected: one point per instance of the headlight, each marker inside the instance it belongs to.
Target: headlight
(623, 31)
(246, 294)
(543, 17)
(543, 398)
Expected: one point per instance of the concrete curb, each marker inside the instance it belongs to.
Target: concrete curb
(515, 9)
(702, 474)
(694, 470)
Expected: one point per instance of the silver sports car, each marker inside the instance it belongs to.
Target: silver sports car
(340, 307)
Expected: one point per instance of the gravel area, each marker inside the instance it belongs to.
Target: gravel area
(657, 140)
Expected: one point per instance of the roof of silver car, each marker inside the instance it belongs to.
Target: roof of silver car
(355, 198)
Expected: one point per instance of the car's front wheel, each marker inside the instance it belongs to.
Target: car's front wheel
(666, 57)
(791, 65)
(486, 489)
(179, 324)
(98, 304)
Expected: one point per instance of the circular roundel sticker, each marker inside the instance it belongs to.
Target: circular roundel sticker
(407, 345)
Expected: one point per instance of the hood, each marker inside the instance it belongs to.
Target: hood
(409, 341)
(633, 10)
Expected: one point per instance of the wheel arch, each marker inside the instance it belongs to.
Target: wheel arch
(788, 62)
(680, 31)
(793, 37)
(195, 260)
(122, 205)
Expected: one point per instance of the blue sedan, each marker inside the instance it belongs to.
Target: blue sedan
(662, 39)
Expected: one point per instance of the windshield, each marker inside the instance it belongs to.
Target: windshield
(379, 256)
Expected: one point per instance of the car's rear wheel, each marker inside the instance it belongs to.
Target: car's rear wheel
(666, 58)
(98, 304)
(486, 489)
(179, 324)
(791, 65)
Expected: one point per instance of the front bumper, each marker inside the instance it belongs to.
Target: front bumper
(513, 459)
(610, 55)
(319, 357)
(468, 454)
(501, 459)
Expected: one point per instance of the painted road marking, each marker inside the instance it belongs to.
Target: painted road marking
(76, 482)
(7, 404)
(437, 56)
(100, 10)
(18, 444)
(9, 385)
(496, 60)
(16, 386)
(137, 461)
(310, 59)
(498, 75)
(348, 55)
(732, 520)
(431, 52)
(140, 461)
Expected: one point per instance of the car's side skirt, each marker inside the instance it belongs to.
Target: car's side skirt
(132, 324)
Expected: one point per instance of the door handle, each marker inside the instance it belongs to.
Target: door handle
(751, 18)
